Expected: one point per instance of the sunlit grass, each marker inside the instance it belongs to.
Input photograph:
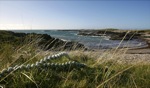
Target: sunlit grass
(104, 69)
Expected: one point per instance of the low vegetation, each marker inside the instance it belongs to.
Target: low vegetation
(101, 71)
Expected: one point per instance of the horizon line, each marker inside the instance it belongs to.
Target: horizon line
(79, 29)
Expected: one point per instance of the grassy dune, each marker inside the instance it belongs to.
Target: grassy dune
(105, 69)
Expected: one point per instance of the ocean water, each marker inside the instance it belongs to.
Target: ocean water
(92, 42)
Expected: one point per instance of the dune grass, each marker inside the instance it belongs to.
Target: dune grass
(104, 70)
(99, 73)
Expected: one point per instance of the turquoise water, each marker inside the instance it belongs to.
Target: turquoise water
(89, 41)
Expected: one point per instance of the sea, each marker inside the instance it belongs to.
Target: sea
(91, 42)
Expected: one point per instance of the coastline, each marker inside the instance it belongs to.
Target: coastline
(93, 41)
(136, 50)
(143, 35)
(103, 60)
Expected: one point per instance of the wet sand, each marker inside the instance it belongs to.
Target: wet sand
(139, 51)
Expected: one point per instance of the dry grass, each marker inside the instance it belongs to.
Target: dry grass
(105, 69)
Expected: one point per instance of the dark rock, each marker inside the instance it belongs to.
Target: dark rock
(113, 34)
(42, 41)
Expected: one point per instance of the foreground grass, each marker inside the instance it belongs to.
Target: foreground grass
(97, 74)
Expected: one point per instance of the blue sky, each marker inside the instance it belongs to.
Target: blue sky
(75, 14)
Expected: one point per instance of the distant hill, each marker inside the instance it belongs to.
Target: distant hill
(42, 41)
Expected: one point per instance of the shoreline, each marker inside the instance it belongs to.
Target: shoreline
(142, 35)
(93, 44)
(125, 55)
(133, 50)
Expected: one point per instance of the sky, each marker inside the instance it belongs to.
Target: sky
(74, 14)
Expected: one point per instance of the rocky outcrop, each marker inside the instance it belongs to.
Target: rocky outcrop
(42, 41)
(121, 35)
(146, 38)
(113, 34)
(148, 43)
(50, 43)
